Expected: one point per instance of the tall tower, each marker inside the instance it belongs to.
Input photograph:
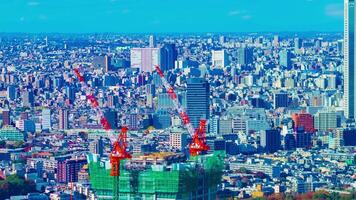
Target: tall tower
(349, 59)
(63, 119)
(152, 42)
(198, 93)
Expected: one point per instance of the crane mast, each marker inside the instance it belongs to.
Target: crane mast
(198, 144)
(119, 150)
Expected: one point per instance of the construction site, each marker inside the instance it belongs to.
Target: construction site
(166, 179)
(163, 175)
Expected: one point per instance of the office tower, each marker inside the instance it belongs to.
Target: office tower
(289, 142)
(11, 92)
(145, 58)
(111, 116)
(214, 125)
(152, 42)
(150, 89)
(67, 170)
(297, 44)
(239, 125)
(46, 119)
(245, 56)
(335, 140)
(164, 102)
(107, 63)
(303, 139)
(70, 93)
(304, 120)
(63, 119)
(349, 137)
(169, 55)
(349, 60)
(225, 126)
(112, 101)
(257, 102)
(219, 58)
(161, 119)
(97, 146)
(222, 40)
(285, 59)
(280, 100)
(178, 139)
(133, 122)
(103, 62)
(271, 140)
(198, 94)
(58, 82)
(28, 99)
(340, 47)
(6, 117)
(325, 120)
(276, 41)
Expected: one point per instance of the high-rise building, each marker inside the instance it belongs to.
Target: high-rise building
(214, 125)
(198, 94)
(304, 120)
(222, 40)
(245, 56)
(178, 139)
(97, 146)
(289, 142)
(46, 119)
(63, 119)
(28, 99)
(67, 170)
(285, 59)
(169, 55)
(325, 120)
(103, 62)
(271, 140)
(133, 121)
(303, 139)
(280, 100)
(349, 137)
(152, 42)
(276, 41)
(145, 58)
(11, 92)
(6, 117)
(349, 59)
(161, 119)
(70, 93)
(107, 63)
(225, 126)
(297, 44)
(219, 58)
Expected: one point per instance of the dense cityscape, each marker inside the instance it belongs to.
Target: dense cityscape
(198, 116)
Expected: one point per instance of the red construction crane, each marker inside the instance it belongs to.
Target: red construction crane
(119, 151)
(198, 144)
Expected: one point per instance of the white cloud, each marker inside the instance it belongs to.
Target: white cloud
(234, 12)
(33, 3)
(246, 17)
(334, 10)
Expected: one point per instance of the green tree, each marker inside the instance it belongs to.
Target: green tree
(13, 185)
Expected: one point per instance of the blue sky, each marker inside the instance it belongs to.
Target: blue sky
(146, 16)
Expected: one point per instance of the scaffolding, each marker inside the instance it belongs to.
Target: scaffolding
(193, 179)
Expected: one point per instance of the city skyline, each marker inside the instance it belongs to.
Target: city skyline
(123, 16)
